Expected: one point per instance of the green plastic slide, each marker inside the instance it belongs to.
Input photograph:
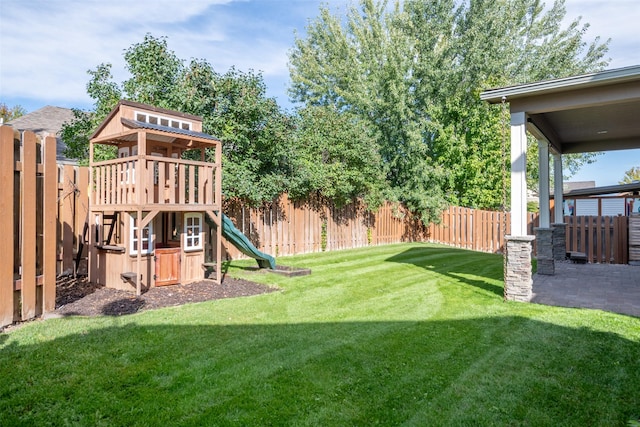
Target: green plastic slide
(244, 245)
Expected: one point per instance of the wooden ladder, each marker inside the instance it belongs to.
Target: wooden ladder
(109, 220)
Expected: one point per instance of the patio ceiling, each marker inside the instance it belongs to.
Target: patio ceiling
(591, 112)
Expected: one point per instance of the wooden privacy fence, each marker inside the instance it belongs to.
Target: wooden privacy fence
(287, 227)
(72, 211)
(473, 229)
(604, 239)
(48, 203)
(28, 177)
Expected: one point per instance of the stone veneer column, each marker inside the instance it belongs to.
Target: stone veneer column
(544, 249)
(518, 282)
(559, 241)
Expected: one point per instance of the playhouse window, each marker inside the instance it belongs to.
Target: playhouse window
(192, 231)
(163, 121)
(143, 240)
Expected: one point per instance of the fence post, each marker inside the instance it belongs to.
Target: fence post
(28, 225)
(49, 225)
(7, 167)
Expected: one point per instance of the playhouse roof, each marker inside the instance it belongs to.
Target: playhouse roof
(128, 118)
(135, 124)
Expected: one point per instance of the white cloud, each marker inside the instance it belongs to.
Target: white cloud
(47, 46)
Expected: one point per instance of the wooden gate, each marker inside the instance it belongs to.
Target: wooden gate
(167, 266)
(603, 239)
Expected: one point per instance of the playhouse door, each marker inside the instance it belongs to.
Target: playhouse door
(167, 266)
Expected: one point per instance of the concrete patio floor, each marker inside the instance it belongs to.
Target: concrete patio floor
(610, 287)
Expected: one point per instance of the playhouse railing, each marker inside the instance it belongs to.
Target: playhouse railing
(149, 180)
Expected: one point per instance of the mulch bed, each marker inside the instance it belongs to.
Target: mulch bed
(81, 298)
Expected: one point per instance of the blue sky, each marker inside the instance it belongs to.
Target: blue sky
(47, 46)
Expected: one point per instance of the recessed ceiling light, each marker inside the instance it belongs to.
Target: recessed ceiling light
(602, 132)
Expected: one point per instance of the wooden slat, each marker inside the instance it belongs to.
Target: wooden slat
(200, 185)
(132, 170)
(28, 226)
(162, 183)
(191, 185)
(82, 204)
(608, 233)
(598, 239)
(150, 192)
(182, 184)
(484, 215)
(107, 184)
(582, 233)
(102, 177)
(574, 245)
(6, 224)
(113, 190)
(49, 225)
(589, 244)
(95, 200)
(66, 210)
(172, 184)
(470, 215)
(624, 227)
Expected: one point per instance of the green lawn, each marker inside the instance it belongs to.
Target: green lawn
(410, 334)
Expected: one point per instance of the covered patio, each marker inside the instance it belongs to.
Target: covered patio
(586, 113)
(610, 287)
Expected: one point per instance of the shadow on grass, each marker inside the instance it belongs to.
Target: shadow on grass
(484, 371)
(456, 263)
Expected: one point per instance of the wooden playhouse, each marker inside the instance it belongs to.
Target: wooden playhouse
(147, 209)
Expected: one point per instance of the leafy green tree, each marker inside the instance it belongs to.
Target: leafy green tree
(363, 68)
(9, 113)
(337, 158)
(631, 175)
(496, 43)
(414, 72)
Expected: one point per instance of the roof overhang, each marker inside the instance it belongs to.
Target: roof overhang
(180, 138)
(586, 113)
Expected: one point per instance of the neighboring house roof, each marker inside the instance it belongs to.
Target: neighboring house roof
(577, 185)
(47, 121)
(633, 187)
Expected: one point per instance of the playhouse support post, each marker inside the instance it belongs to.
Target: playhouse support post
(218, 201)
(139, 253)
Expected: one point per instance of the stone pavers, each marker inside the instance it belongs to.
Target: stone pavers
(609, 287)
